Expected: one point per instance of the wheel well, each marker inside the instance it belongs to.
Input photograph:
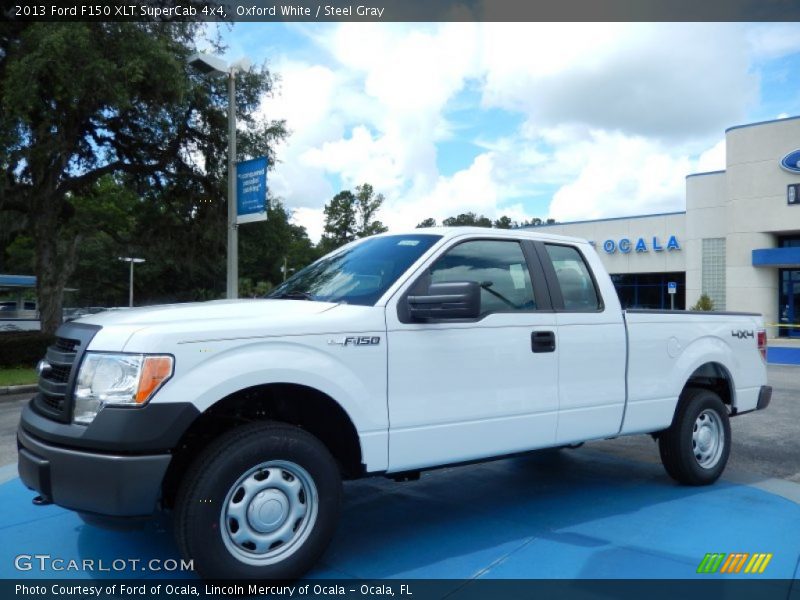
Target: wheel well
(298, 405)
(714, 377)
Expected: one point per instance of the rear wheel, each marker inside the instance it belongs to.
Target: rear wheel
(261, 502)
(695, 448)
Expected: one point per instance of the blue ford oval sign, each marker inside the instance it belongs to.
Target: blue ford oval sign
(791, 162)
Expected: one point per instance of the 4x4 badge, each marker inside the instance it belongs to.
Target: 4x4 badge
(742, 334)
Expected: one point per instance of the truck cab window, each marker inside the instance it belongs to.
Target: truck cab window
(574, 278)
(498, 266)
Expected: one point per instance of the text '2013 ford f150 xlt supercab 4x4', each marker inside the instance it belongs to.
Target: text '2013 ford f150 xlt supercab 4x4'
(393, 354)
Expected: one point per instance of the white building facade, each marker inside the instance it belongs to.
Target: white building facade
(738, 241)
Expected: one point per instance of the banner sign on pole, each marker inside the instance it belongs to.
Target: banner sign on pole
(251, 190)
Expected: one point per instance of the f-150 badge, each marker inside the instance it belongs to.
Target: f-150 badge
(361, 340)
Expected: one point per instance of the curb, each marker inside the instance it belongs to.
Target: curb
(18, 389)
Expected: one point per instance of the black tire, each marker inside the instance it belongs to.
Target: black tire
(208, 483)
(683, 459)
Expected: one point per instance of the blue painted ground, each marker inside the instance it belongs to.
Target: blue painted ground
(778, 355)
(567, 514)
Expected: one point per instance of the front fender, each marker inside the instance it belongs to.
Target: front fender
(353, 377)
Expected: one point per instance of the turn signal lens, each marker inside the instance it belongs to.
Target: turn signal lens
(155, 371)
(762, 343)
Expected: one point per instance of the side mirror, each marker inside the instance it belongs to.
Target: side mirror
(456, 300)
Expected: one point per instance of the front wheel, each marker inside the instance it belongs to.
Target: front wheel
(261, 502)
(695, 448)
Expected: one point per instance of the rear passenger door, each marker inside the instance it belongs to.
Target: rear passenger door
(592, 345)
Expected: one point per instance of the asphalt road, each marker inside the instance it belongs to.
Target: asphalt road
(766, 444)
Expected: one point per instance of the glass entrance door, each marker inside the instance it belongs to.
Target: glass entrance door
(789, 309)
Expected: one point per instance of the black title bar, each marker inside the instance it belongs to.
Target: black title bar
(405, 10)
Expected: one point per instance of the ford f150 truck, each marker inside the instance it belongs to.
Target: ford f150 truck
(394, 354)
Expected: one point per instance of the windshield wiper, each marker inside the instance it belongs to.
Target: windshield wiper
(294, 296)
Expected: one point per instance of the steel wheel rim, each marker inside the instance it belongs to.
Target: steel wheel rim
(269, 512)
(708, 439)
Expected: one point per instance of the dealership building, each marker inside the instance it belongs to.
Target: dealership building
(738, 241)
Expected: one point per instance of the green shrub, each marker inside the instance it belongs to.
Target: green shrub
(704, 303)
(23, 348)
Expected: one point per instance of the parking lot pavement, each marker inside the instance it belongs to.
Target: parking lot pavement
(582, 514)
(606, 510)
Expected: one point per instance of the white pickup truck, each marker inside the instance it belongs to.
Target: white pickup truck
(394, 354)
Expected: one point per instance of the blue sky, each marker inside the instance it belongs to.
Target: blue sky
(569, 121)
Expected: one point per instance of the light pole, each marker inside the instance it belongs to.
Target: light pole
(128, 259)
(211, 65)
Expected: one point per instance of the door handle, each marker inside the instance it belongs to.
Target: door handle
(543, 341)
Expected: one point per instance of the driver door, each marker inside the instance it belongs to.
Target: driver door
(462, 390)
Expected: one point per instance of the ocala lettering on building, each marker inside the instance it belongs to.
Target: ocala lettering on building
(627, 245)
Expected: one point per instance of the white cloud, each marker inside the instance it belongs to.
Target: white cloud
(409, 71)
(310, 218)
(614, 115)
(305, 99)
(471, 189)
(621, 175)
(773, 40)
(712, 159)
(662, 80)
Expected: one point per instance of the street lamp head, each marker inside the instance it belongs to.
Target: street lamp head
(208, 64)
(131, 260)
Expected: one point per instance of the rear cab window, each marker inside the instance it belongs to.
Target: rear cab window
(578, 289)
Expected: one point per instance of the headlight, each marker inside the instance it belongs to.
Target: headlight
(117, 380)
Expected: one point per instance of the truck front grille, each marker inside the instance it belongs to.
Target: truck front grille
(59, 373)
(53, 403)
(66, 344)
(53, 379)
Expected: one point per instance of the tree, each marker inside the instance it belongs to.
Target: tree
(367, 205)
(467, 219)
(340, 221)
(505, 222)
(351, 216)
(80, 101)
(429, 222)
(536, 221)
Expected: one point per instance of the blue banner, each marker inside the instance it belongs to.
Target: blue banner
(251, 190)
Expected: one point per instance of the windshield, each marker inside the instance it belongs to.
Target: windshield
(358, 273)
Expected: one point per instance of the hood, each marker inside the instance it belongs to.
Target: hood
(205, 312)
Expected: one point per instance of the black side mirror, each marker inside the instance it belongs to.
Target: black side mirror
(456, 300)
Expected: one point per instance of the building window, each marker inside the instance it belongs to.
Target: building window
(650, 290)
(793, 194)
(792, 241)
(713, 273)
